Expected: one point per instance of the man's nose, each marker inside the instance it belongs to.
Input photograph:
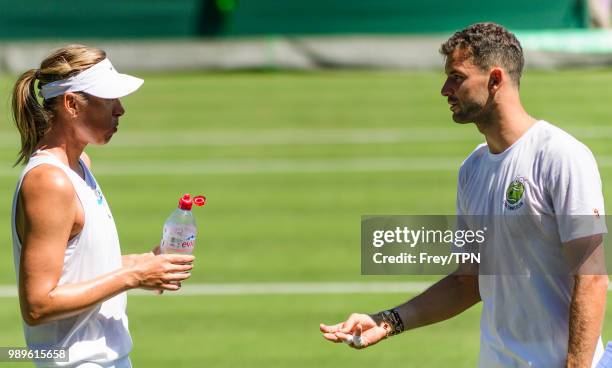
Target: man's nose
(446, 90)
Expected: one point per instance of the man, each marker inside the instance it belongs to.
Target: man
(527, 167)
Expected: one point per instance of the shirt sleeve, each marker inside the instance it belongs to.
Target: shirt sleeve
(575, 190)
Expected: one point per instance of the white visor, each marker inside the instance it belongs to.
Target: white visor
(100, 80)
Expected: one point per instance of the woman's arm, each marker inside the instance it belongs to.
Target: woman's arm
(47, 211)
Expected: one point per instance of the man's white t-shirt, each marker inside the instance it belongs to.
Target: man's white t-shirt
(544, 177)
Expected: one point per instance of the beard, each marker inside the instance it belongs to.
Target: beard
(471, 111)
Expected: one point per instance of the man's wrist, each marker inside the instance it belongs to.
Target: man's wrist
(377, 318)
(389, 320)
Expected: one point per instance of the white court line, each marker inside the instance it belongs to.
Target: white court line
(290, 137)
(280, 166)
(283, 288)
(273, 288)
(267, 166)
(254, 166)
(264, 137)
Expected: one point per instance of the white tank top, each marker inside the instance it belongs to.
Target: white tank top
(99, 336)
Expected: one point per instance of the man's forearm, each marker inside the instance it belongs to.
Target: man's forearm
(586, 317)
(443, 300)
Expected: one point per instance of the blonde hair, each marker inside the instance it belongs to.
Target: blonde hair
(33, 119)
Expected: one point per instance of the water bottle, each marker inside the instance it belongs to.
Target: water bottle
(180, 228)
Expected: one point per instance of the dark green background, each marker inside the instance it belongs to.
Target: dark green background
(41, 19)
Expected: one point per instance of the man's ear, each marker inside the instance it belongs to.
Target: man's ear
(71, 104)
(496, 79)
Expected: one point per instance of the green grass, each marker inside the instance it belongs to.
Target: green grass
(264, 331)
(274, 218)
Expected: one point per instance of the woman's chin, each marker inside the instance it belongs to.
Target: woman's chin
(103, 140)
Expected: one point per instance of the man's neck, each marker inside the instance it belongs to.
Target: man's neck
(505, 128)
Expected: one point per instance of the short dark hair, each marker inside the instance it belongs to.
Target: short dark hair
(488, 44)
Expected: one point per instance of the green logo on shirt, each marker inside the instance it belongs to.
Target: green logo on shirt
(515, 194)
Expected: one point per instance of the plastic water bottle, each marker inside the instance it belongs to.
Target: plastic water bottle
(180, 228)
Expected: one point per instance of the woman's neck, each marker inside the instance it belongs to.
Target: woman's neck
(64, 148)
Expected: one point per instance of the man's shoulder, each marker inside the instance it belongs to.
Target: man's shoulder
(474, 157)
(554, 142)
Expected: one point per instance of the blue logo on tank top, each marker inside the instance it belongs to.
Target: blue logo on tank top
(99, 196)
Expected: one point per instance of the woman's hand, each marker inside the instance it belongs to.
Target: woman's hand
(153, 271)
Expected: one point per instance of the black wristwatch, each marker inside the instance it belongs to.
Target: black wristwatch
(391, 322)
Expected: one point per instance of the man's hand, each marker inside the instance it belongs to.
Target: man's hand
(443, 300)
(357, 325)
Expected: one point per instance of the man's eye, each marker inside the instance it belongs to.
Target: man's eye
(457, 77)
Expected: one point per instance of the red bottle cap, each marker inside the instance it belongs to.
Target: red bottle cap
(199, 200)
(186, 202)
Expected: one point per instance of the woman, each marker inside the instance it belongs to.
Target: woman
(71, 275)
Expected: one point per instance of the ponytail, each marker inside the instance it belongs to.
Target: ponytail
(30, 117)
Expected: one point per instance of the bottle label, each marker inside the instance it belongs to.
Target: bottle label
(178, 239)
